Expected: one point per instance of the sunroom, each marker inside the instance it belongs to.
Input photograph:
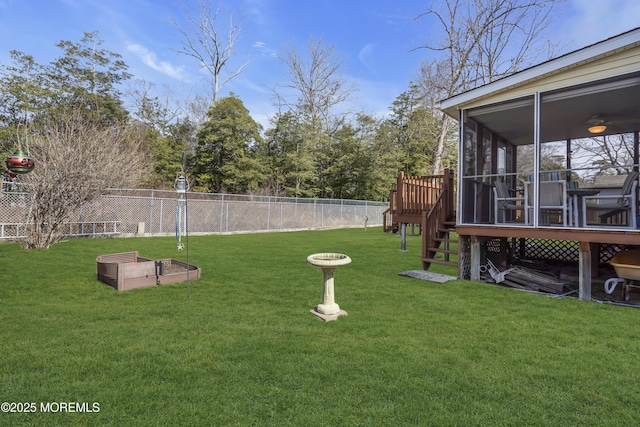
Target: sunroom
(552, 153)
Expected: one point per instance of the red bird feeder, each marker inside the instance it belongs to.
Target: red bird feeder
(19, 163)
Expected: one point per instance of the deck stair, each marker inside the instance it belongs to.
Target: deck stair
(427, 201)
(439, 250)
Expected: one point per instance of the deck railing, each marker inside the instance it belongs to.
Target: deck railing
(414, 195)
(433, 220)
(417, 192)
(388, 220)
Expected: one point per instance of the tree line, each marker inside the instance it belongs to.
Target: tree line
(86, 100)
(308, 151)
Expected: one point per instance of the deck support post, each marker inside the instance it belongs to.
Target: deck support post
(475, 258)
(403, 238)
(584, 261)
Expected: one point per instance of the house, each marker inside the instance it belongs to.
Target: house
(529, 147)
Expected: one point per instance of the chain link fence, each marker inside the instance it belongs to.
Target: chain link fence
(153, 212)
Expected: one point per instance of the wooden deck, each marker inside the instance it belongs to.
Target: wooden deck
(411, 196)
(589, 243)
(427, 201)
(621, 237)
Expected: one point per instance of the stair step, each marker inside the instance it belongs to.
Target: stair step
(440, 261)
(444, 246)
(444, 251)
(443, 239)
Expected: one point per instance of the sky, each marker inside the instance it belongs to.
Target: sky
(379, 39)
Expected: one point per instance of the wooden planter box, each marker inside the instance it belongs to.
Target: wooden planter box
(127, 270)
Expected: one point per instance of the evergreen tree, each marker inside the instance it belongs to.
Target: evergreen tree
(341, 164)
(167, 139)
(167, 152)
(289, 158)
(409, 134)
(86, 78)
(226, 156)
(364, 172)
(22, 93)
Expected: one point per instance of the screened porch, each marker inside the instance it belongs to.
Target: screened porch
(565, 158)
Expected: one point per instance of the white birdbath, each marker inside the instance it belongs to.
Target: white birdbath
(328, 309)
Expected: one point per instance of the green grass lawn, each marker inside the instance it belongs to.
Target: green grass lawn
(241, 348)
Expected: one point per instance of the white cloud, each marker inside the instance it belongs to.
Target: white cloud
(366, 56)
(264, 50)
(151, 60)
(253, 86)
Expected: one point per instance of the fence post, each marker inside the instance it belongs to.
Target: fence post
(221, 211)
(81, 221)
(160, 216)
(269, 213)
(151, 212)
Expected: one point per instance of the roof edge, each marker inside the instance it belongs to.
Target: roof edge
(569, 60)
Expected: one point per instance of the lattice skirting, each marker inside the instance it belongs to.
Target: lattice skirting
(545, 249)
(530, 249)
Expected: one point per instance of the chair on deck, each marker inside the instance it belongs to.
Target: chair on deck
(553, 199)
(615, 205)
(504, 201)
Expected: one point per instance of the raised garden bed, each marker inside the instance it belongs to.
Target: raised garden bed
(127, 270)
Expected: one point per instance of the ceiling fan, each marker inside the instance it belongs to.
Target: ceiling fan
(599, 123)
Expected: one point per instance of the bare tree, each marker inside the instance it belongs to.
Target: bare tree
(603, 155)
(483, 40)
(433, 81)
(197, 108)
(317, 80)
(212, 44)
(75, 162)
(154, 107)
